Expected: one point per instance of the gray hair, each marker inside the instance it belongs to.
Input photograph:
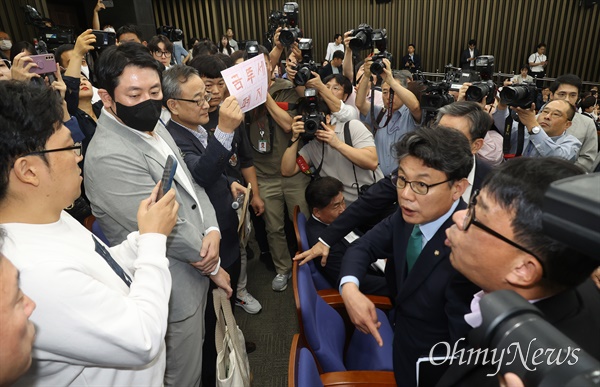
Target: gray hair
(480, 120)
(172, 80)
(402, 76)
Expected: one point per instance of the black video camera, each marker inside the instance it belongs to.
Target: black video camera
(436, 96)
(307, 66)
(522, 95)
(311, 115)
(174, 34)
(479, 90)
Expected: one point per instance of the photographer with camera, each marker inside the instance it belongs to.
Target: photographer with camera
(328, 148)
(400, 113)
(411, 61)
(498, 243)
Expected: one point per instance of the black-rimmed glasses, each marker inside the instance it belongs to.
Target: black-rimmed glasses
(471, 219)
(164, 54)
(76, 148)
(418, 187)
(207, 97)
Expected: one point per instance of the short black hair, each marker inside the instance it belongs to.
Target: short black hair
(337, 54)
(518, 186)
(321, 191)
(130, 29)
(18, 47)
(342, 81)
(472, 42)
(524, 66)
(438, 147)
(236, 55)
(192, 41)
(29, 115)
(225, 58)
(204, 47)
(411, 45)
(336, 36)
(114, 59)
(208, 66)
(61, 50)
(480, 120)
(156, 39)
(540, 45)
(567, 79)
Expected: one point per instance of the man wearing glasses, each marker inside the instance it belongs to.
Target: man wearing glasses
(124, 161)
(498, 243)
(101, 311)
(430, 296)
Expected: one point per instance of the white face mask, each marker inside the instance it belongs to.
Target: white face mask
(109, 29)
(86, 71)
(5, 44)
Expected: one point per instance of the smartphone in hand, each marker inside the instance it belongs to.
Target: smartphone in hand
(45, 64)
(167, 177)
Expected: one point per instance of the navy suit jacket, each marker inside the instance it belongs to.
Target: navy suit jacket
(430, 301)
(416, 61)
(464, 58)
(207, 166)
(327, 70)
(575, 312)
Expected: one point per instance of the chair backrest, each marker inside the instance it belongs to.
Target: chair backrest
(97, 231)
(318, 278)
(302, 369)
(323, 327)
(302, 229)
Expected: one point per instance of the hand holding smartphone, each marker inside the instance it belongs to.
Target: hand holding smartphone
(167, 177)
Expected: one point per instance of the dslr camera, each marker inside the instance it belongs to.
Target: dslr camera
(304, 69)
(311, 116)
(287, 18)
(522, 95)
(478, 90)
(366, 38)
(104, 39)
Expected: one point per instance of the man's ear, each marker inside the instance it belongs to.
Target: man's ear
(173, 107)
(526, 272)
(106, 99)
(26, 170)
(476, 145)
(458, 188)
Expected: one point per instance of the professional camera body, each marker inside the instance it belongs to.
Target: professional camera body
(251, 48)
(522, 95)
(174, 34)
(366, 38)
(435, 96)
(311, 115)
(287, 18)
(304, 69)
(53, 36)
(478, 90)
(104, 39)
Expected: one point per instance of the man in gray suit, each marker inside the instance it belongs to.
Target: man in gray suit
(124, 161)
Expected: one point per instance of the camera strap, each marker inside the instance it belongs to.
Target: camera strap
(348, 141)
(506, 143)
(383, 111)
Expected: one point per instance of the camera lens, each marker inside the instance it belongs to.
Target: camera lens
(377, 67)
(358, 42)
(302, 76)
(477, 92)
(288, 37)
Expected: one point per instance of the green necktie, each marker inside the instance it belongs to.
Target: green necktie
(414, 247)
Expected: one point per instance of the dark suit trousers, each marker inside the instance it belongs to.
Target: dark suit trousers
(209, 351)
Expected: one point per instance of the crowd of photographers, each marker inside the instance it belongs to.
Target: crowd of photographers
(113, 106)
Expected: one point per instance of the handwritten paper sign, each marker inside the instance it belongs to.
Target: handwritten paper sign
(248, 82)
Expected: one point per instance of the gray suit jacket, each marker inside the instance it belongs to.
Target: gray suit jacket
(121, 169)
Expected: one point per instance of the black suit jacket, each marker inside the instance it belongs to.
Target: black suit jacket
(207, 166)
(416, 61)
(464, 58)
(372, 284)
(327, 70)
(430, 301)
(575, 312)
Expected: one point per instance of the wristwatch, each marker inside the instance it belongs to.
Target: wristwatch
(535, 130)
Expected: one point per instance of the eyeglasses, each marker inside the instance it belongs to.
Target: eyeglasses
(471, 219)
(417, 186)
(199, 102)
(76, 148)
(165, 54)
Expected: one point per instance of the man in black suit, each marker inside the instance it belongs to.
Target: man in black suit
(186, 98)
(468, 56)
(325, 199)
(411, 60)
(334, 66)
(498, 244)
(430, 296)
(379, 201)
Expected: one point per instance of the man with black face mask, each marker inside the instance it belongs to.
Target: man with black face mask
(124, 161)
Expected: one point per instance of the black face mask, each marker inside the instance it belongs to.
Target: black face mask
(142, 117)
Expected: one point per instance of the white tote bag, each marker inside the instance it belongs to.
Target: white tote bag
(233, 368)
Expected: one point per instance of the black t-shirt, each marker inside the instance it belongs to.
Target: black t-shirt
(240, 146)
